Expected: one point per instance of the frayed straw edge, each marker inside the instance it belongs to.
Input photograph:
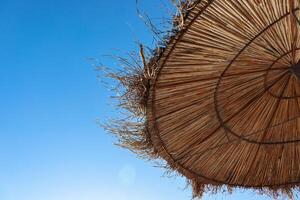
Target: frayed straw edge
(133, 132)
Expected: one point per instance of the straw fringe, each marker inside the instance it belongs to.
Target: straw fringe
(134, 81)
(135, 132)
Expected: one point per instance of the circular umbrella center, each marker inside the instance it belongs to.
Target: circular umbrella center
(295, 69)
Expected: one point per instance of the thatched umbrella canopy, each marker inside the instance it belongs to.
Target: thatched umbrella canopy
(221, 102)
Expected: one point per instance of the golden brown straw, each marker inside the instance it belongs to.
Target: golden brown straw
(221, 102)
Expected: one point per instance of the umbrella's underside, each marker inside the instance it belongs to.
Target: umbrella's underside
(224, 105)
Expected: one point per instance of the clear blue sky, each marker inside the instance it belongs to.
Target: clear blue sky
(50, 145)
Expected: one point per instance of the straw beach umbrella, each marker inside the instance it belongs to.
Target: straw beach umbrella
(220, 103)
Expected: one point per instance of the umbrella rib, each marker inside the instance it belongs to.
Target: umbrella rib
(243, 137)
(232, 61)
(238, 139)
(273, 65)
(265, 132)
(276, 107)
(281, 123)
(246, 45)
(246, 135)
(254, 38)
(193, 103)
(252, 100)
(268, 143)
(250, 134)
(230, 75)
(222, 125)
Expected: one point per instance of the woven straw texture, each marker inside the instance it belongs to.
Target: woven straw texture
(221, 101)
